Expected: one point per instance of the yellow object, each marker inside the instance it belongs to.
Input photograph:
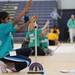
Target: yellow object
(53, 36)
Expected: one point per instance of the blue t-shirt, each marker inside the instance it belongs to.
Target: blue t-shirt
(6, 41)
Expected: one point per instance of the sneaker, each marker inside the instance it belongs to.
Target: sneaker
(3, 67)
(50, 52)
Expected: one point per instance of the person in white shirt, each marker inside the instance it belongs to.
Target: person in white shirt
(54, 16)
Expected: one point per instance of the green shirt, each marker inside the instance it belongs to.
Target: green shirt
(71, 23)
(6, 43)
(44, 42)
(31, 37)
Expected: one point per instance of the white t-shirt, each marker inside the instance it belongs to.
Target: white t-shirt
(54, 15)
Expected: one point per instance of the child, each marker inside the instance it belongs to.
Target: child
(6, 41)
(53, 36)
(41, 34)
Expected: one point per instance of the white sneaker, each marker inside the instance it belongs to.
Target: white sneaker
(3, 67)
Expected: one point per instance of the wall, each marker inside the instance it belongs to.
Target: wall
(27, 0)
(66, 4)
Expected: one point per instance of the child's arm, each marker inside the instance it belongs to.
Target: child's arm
(45, 28)
(23, 12)
(46, 25)
(58, 31)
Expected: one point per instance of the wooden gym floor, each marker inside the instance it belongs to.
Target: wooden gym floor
(63, 59)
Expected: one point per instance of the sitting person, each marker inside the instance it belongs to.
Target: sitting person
(41, 34)
(53, 36)
(7, 27)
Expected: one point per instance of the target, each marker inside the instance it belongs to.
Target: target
(36, 68)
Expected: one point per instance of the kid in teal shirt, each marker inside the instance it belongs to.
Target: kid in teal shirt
(6, 41)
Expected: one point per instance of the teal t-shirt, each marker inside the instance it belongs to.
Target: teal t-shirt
(6, 41)
(71, 23)
(44, 42)
(31, 36)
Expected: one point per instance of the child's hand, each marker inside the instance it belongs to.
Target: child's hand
(47, 22)
(30, 1)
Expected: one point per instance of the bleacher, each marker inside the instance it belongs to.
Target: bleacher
(41, 9)
(10, 7)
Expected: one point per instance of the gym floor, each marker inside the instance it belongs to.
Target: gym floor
(62, 59)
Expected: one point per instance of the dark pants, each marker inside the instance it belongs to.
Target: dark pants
(51, 42)
(40, 51)
(25, 52)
